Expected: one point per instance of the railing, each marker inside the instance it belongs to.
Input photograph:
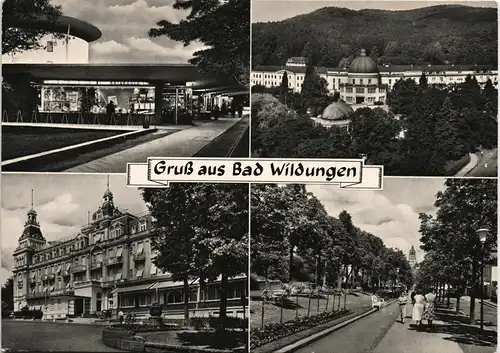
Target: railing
(95, 265)
(53, 293)
(78, 268)
(47, 277)
(113, 261)
(139, 257)
(79, 284)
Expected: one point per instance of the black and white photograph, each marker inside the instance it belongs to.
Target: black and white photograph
(411, 85)
(91, 265)
(89, 86)
(411, 268)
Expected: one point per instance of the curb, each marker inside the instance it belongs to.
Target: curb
(43, 157)
(305, 341)
(237, 142)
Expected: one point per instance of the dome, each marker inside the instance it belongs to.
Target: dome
(363, 64)
(337, 111)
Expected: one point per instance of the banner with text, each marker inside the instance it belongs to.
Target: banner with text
(347, 173)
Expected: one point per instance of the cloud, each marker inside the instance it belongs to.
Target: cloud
(109, 47)
(390, 214)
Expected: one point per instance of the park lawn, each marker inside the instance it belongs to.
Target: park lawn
(357, 302)
(24, 143)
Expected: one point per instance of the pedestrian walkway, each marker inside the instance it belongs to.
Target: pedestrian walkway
(185, 143)
(405, 338)
(469, 166)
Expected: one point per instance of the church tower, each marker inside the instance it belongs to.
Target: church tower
(412, 258)
(30, 241)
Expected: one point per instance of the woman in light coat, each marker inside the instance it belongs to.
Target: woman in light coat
(418, 307)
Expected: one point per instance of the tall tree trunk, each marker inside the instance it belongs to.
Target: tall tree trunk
(472, 311)
(309, 305)
(186, 300)
(223, 303)
(290, 265)
(297, 305)
(327, 300)
(333, 301)
(281, 309)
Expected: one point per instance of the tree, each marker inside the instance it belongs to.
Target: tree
(402, 96)
(223, 26)
(314, 91)
(8, 295)
(18, 32)
(284, 88)
(463, 207)
(200, 231)
(423, 81)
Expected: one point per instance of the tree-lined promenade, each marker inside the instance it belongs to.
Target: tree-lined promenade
(296, 242)
(429, 129)
(454, 251)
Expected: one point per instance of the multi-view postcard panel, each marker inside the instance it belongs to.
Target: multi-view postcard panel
(249, 176)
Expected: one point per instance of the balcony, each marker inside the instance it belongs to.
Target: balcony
(139, 257)
(54, 293)
(78, 268)
(96, 265)
(49, 276)
(93, 282)
(113, 261)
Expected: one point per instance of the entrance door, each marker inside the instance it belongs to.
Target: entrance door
(78, 306)
(360, 100)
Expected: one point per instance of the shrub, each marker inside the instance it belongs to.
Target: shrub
(134, 328)
(275, 331)
(28, 314)
(212, 322)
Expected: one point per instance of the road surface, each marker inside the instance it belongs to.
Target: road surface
(486, 166)
(361, 336)
(52, 337)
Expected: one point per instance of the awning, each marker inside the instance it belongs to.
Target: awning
(119, 252)
(139, 273)
(118, 276)
(68, 286)
(153, 269)
(138, 288)
(52, 288)
(97, 238)
(172, 284)
(140, 248)
(58, 269)
(33, 275)
(68, 267)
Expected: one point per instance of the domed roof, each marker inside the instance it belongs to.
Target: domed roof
(363, 64)
(337, 111)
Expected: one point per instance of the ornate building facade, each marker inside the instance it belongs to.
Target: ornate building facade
(366, 83)
(107, 266)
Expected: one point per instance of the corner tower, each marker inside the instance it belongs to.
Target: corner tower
(30, 241)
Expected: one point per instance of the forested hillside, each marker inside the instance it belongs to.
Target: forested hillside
(437, 35)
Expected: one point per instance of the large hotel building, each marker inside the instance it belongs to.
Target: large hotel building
(366, 83)
(107, 266)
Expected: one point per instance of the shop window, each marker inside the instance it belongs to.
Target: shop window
(173, 297)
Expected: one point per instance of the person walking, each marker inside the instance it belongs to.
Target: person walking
(429, 307)
(240, 111)
(402, 301)
(418, 307)
(120, 317)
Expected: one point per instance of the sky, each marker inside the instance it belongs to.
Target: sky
(62, 202)
(124, 25)
(390, 214)
(278, 10)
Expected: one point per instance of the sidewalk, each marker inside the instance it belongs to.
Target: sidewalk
(185, 143)
(469, 166)
(449, 335)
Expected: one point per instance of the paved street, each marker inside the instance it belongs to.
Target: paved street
(361, 336)
(486, 165)
(38, 336)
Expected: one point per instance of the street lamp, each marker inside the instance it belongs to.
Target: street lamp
(482, 233)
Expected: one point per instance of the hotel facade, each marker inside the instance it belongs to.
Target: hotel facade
(366, 83)
(109, 265)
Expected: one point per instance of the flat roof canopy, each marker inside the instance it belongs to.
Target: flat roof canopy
(173, 74)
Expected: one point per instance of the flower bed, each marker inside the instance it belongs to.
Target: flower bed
(135, 328)
(275, 331)
(212, 322)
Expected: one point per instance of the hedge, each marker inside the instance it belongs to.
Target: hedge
(201, 323)
(28, 314)
(275, 331)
